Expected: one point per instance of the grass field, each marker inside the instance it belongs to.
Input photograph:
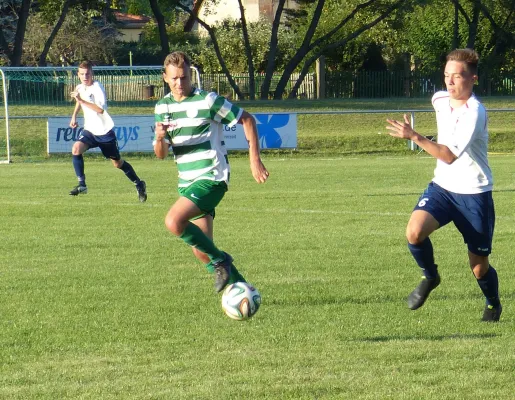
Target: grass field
(98, 301)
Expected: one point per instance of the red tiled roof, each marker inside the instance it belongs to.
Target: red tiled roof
(130, 19)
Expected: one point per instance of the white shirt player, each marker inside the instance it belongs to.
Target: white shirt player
(464, 131)
(97, 124)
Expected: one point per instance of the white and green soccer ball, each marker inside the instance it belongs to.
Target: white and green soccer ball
(240, 301)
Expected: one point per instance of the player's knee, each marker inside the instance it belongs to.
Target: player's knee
(76, 150)
(479, 268)
(117, 163)
(478, 271)
(414, 235)
(174, 225)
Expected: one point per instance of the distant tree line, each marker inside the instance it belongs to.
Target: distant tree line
(352, 35)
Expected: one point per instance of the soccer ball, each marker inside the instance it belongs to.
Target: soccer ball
(240, 301)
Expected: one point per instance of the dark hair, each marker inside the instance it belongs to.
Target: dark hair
(467, 56)
(177, 59)
(86, 64)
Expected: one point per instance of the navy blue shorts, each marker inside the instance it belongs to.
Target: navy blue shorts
(472, 214)
(107, 143)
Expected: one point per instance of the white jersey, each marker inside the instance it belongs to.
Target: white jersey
(464, 131)
(97, 124)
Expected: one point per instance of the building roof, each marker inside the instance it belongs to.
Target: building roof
(129, 21)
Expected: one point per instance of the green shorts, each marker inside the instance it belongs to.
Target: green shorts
(205, 194)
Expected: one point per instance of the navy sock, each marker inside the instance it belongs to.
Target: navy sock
(78, 166)
(423, 255)
(489, 285)
(129, 172)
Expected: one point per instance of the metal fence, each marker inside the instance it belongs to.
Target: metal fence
(384, 84)
(51, 86)
(220, 84)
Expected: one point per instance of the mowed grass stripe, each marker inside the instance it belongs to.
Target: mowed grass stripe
(98, 300)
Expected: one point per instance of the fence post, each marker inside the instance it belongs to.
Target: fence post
(411, 144)
(320, 71)
(407, 74)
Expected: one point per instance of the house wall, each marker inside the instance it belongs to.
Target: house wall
(230, 9)
(130, 35)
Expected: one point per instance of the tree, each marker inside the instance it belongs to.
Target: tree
(502, 21)
(248, 51)
(165, 47)
(216, 48)
(432, 31)
(43, 56)
(161, 17)
(70, 45)
(353, 23)
(15, 13)
(358, 20)
(137, 7)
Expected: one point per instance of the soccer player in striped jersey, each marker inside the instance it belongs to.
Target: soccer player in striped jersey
(461, 190)
(190, 122)
(98, 131)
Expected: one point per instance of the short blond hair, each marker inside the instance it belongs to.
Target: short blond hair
(177, 59)
(467, 56)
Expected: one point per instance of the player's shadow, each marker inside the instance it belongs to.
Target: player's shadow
(503, 190)
(378, 299)
(404, 194)
(436, 338)
(333, 300)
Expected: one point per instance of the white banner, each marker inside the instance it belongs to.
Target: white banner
(136, 133)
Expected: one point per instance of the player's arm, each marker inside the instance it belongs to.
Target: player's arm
(73, 121)
(403, 130)
(161, 141)
(99, 96)
(89, 105)
(259, 172)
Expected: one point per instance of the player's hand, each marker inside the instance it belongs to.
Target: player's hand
(400, 129)
(73, 123)
(76, 96)
(259, 172)
(160, 130)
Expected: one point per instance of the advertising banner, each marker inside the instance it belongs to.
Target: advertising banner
(136, 133)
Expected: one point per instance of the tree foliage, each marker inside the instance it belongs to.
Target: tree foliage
(149, 50)
(79, 37)
(14, 15)
(352, 35)
(431, 31)
(229, 36)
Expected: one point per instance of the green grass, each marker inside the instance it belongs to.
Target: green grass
(318, 135)
(99, 301)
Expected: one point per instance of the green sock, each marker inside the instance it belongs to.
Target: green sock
(194, 236)
(234, 277)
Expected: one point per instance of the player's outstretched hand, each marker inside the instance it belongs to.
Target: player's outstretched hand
(259, 172)
(400, 129)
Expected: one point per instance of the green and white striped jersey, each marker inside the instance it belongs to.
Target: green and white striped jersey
(196, 134)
